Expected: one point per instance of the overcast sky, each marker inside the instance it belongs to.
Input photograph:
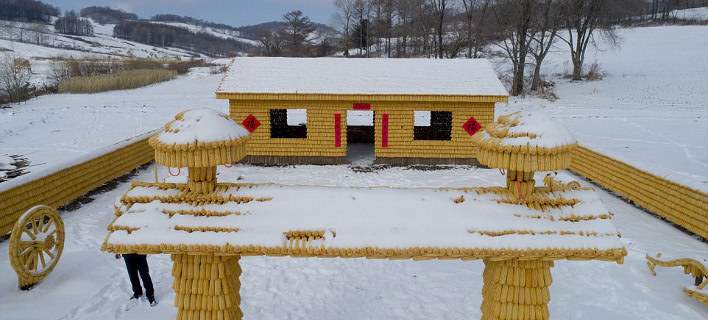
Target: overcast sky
(232, 12)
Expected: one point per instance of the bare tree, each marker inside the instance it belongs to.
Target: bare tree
(15, 75)
(582, 19)
(476, 12)
(404, 29)
(271, 43)
(345, 16)
(439, 7)
(515, 19)
(546, 25)
(386, 21)
(361, 16)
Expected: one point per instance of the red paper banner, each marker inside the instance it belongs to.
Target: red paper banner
(337, 130)
(361, 106)
(251, 123)
(472, 126)
(384, 130)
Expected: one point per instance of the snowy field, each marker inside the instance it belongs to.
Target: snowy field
(651, 108)
(89, 284)
(59, 127)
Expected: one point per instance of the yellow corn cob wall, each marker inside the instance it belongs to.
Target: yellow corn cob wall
(320, 128)
(677, 203)
(65, 186)
(516, 289)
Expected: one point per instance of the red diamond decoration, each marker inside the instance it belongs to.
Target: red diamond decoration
(251, 123)
(472, 126)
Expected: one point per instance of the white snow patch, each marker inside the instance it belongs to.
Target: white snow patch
(362, 76)
(547, 133)
(56, 128)
(691, 14)
(371, 217)
(201, 125)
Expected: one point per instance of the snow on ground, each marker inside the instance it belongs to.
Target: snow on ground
(89, 284)
(651, 108)
(101, 43)
(691, 14)
(6, 164)
(59, 127)
(58, 46)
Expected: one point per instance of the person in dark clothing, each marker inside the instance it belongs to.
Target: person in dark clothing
(137, 265)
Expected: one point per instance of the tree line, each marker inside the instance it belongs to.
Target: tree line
(162, 35)
(523, 30)
(27, 11)
(190, 20)
(72, 24)
(107, 15)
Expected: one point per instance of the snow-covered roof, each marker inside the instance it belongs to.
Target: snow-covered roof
(257, 219)
(200, 126)
(525, 128)
(199, 138)
(265, 75)
(527, 142)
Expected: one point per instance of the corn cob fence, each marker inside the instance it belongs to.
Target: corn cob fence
(65, 183)
(681, 205)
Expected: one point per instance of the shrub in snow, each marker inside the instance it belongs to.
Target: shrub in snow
(15, 74)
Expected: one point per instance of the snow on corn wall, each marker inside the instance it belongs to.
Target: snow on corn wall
(675, 202)
(65, 182)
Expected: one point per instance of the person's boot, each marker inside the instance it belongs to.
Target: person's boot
(152, 301)
(132, 302)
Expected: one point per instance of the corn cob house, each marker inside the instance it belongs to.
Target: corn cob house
(518, 230)
(302, 110)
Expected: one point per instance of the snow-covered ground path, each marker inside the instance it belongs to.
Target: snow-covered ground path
(89, 284)
(55, 128)
(651, 108)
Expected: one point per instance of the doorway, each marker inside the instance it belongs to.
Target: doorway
(360, 137)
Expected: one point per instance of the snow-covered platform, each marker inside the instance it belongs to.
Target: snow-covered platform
(414, 223)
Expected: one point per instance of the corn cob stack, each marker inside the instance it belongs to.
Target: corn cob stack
(207, 287)
(516, 289)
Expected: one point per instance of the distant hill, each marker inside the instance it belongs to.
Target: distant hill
(190, 20)
(249, 32)
(27, 11)
(165, 35)
(107, 15)
(252, 31)
(121, 33)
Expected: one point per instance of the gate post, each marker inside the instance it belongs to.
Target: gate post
(516, 289)
(207, 287)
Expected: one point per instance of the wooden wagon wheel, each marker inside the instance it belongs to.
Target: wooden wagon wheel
(36, 244)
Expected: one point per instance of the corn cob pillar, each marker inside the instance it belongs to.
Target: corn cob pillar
(201, 179)
(516, 290)
(207, 287)
(520, 183)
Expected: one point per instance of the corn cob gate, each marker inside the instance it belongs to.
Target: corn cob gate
(206, 226)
